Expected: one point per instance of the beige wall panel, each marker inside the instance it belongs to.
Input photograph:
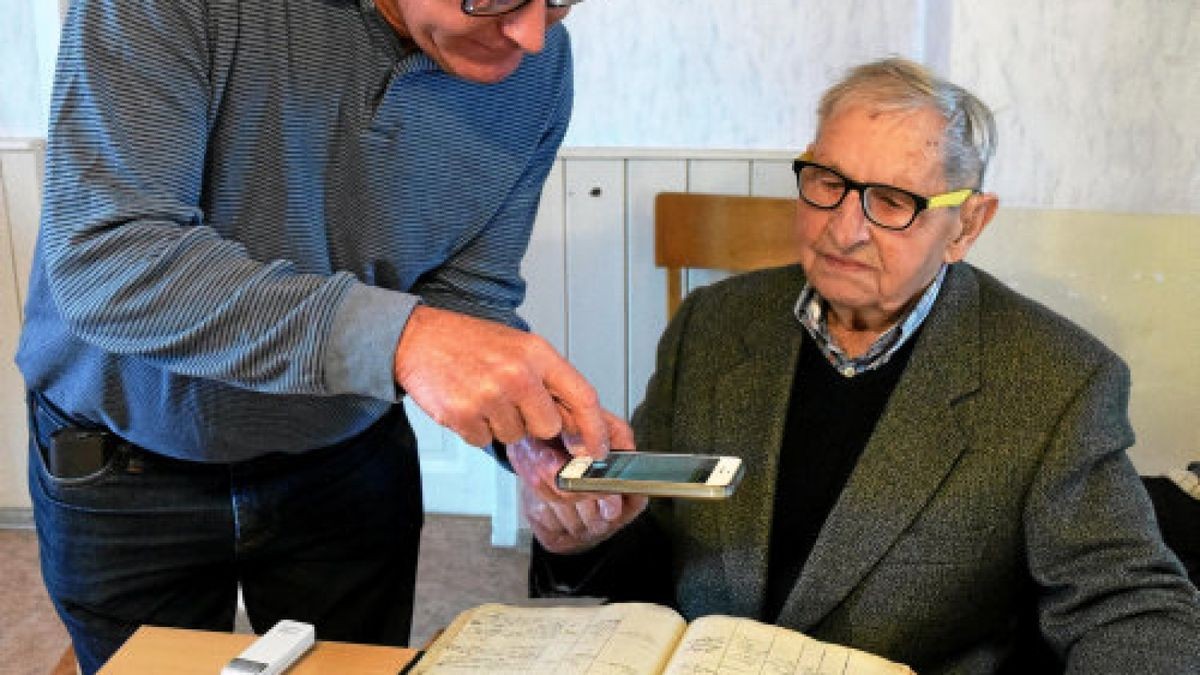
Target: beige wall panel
(20, 198)
(1133, 280)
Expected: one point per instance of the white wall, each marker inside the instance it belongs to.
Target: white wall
(28, 42)
(721, 74)
(1096, 100)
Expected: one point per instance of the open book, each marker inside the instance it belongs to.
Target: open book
(632, 639)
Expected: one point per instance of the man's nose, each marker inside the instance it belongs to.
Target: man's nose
(527, 26)
(848, 226)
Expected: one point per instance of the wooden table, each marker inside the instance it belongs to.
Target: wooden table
(175, 651)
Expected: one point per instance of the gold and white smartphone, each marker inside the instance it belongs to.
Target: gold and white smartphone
(654, 474)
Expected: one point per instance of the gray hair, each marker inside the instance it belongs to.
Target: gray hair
(898, 84)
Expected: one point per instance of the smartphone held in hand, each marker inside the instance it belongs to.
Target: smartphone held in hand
(654, 474)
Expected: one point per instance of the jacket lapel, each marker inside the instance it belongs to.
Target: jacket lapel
(914, 446)
(752, 398)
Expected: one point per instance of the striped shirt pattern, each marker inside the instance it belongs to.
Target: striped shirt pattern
(244, 201)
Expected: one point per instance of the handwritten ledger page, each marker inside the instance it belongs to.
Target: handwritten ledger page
(733, 646)
(633, 639)
(622, 639)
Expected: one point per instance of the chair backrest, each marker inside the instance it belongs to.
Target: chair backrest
(1178, 515)
(721, 232)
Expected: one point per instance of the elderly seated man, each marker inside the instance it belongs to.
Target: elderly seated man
(936, 466)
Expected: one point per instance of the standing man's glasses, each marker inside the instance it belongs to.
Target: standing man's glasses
(889, 207)
(496, 7)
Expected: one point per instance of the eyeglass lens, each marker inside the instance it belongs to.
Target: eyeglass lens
(484, 7)
(494, 7)
(884, 206)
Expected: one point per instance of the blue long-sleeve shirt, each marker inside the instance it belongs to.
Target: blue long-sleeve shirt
(245, 200)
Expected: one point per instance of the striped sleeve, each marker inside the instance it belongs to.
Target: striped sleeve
(131, 262)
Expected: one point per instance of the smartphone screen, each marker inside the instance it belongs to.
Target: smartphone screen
(666, 468)
(654, 474)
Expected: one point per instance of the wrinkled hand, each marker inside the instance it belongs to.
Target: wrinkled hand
(567, 522)
(486, 381)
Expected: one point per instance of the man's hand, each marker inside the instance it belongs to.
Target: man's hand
(487, 381)
(566, 522)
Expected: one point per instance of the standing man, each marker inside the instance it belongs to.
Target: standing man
(265, 223)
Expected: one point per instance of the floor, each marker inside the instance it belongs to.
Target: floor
(458, 569)
(31, 638)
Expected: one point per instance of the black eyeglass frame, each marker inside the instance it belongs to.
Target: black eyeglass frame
(469, 10)
(939, 201)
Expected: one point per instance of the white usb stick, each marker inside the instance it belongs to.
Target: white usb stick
(274, 650)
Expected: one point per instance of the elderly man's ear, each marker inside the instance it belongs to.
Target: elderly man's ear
(973, 216)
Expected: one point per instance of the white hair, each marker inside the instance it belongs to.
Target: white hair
(898, 84)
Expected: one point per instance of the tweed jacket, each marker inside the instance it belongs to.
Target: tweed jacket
(994, 495)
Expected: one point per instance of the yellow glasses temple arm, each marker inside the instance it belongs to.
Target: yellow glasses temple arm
(945, 199)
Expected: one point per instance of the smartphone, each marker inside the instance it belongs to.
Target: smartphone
(654, 474)
(78, 453)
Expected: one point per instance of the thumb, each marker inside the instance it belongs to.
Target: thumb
(585, 431)
(620, 434)
(583, 426)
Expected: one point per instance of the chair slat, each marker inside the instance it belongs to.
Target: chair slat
(722, 232)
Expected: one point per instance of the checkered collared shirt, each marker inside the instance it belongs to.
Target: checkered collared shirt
(810, 311)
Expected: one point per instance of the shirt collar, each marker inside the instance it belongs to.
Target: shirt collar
(810, 311)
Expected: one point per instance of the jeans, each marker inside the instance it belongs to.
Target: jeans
(328, 537)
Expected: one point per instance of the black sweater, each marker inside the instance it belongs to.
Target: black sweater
(830, 418)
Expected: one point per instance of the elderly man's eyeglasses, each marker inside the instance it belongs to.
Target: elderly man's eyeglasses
(891, 208)
(497, 7)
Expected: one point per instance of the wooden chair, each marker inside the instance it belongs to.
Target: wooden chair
(721, 232)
